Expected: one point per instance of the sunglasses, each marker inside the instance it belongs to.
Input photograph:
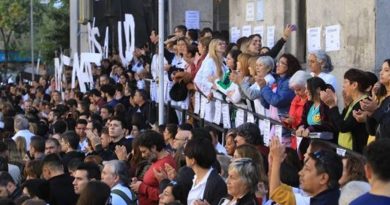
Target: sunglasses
(321, 159)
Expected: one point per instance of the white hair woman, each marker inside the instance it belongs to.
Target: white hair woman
(242, 182)
(320, 65)
(298, 84)
(264, 67)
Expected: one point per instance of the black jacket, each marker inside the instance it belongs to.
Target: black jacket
(71, 155)
(62, 191)
(123, 142)
(378, 123)
(276, 49)
(327, 197)
(105, 154)
(148, 112)
(215, 188)
(16, 194)
(248, 199)
(358, 130)
(326, 123)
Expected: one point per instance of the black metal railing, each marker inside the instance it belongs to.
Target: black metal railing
(202, 122)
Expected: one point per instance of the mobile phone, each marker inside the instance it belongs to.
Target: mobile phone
(293, 27)
(283, 115)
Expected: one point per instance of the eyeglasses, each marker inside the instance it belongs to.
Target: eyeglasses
(281, 63)
(180, 139)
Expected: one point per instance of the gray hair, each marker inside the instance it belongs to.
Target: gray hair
(268, 62)
(248, 171)
(119, 168)
(323, 58)
(299, 78)
(224, 161)
(20, 123)
(353, 190)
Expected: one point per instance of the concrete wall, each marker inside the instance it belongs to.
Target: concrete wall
(357, 21)
(278, 13)
(364, 25)
(382, 32)
(178, 7)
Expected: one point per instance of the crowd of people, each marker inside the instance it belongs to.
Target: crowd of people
(104, 146)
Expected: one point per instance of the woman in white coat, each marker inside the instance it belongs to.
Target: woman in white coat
(212, 68)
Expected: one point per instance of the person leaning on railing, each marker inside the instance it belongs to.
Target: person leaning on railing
(315, 116)
(298, 84)
(286, 67)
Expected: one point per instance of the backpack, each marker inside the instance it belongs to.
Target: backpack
(126, 198)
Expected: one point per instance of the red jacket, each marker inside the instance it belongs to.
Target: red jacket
(296, 111)
(149, 189)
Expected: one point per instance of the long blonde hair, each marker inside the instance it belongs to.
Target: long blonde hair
(218, 60)
(252, 65)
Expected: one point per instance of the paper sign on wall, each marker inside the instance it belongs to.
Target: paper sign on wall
(260, 10)
(250, 11)
(247, 30)
(259, 30)
(313, 39)
(270, 36)
(332, 36)
(235, 34)
(192, 19)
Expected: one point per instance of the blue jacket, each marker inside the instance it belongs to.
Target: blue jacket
(281, 99)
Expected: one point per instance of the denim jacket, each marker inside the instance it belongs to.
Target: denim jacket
(281, 99)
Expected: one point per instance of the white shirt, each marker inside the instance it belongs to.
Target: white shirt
(137, 67)
(176, 59)
(83, 145)
(301, 197)
(206, 70)
(140, 84)
(116, 199)
(197, 191)
(26, 134)
(181, 63)
(154, 66)
(330, 79)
